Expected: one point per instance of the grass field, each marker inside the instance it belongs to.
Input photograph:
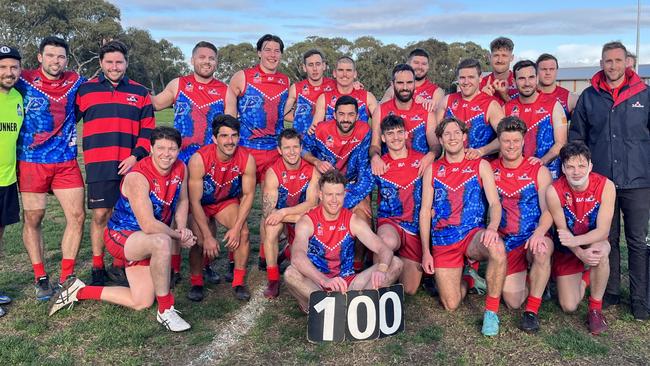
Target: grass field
(95, 333)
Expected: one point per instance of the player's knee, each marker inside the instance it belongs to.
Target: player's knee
(451, 303)
(410, 287)
(513, 300)
(498, 252)
(33, 218)
(396, 265)
(162, 244)
(143, 304)
(568, 305)
(291, 275)
(542, 259)
(77, 217)
(244, 234)
(101, 216)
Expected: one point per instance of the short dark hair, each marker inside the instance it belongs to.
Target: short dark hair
(440, 129)
(391, 122)
(289, 133)
(270, 38)
(332, 176)
(418, 52)
(572, 149)
(53, 41)
(311, 53)
(511, 124)
(614, 45)
(545, 57)
(167, 133)
(522, 64)
(344, 100)
(205, 44)
(114, 46)
(402, 67)
(347, 60)
(469, 63)
(502, 43)
(224, 120)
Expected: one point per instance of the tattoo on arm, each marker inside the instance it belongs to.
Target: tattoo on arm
(268, 205)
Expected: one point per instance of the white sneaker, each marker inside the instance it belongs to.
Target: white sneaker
(66, 296)
(172, 321)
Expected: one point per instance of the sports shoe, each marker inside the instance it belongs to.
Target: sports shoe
(67, 295)
(43, 289)
(2, 312)
(4, 299)
(98, 277)
(196, 293)
(611, 299)
(429, 285)
(231, 270)
(529, 322)
(639, 311)
(272, 290)
(490, 323)
(174, 279)
(261, 264)
(596, 321)
(241, 293)
(118, 276)
(172, 321)
(480, 286)
(211, 275)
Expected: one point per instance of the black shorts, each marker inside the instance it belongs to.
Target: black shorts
(9, 207)
(103, 194)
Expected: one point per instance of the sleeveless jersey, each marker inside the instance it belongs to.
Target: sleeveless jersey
(293, 184)
(424, 92)
(195, 107)
(306, 98)
(11, 119)
(331, 247)
(459, 201)
(474, 114)
(562, 96)
(538, 117)
(261, 108)
(361, 95)
(415, 123)
(164, 192)
(518, 190)
(222, 180)
(400, 191)
(512, 86)
(49, 132)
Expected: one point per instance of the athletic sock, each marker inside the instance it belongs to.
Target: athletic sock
(67, 268)
(119, 263)
(196, 280)
(165, 302)
(98, 261)
(469, 280)
(176, 263)
(492, 303)
(39, 270)
(90, 293)
(262, 252)
(273, 273)
(586, 277)
(595, 304)
(238, 277)
(533, 303)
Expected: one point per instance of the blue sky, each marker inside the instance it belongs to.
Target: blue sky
(572, 30)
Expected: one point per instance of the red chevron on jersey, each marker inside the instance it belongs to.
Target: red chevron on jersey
(361, 95)
(424, 92)
(331, 246)
(415, 121)
(312, 92)
(538, 119)
(453, 177)
(474, 113)
(512, 86)
(581, 208)
(200, 94)
(561, 95)
(222, 179)
(339, 145)
(273, 89)
(292, 182)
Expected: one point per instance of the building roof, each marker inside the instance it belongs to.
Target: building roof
(586, 72)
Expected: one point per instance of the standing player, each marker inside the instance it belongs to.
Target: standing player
(290, 190)
(425, 90)
(452, 219)
(197, 99)
(582, 205)
(525, 222)
(221, 186)
(323, 249)
(152, 193)
(117, 121)
(543, 115)
(500, 82)
(547, 67)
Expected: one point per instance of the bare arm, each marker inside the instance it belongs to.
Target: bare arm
(371, 102)
(299, 259)
(604, 219)
(290, 104)
(235, 88)
(441, 109)
(571, 101)
(248, 193)
(388, 94)
(183, 207)
(437, 98)
(426, 211)
(490, 189)
(136, 188)
(364, 233)
(319, 112)
(165, 98)
(544, 180)
(294, 213)
(560, 132)
(432, 140)
(494, 115)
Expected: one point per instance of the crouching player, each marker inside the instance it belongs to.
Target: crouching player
(151, 194)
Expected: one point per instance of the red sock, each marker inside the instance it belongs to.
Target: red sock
(492, 303)
(165, 302)
(586, 276)
(273, 273)
(176, 263)
(595, 304)
(120, 263)
(238, 277)
(357, 266)
(90, 293)
(262, 252)
(39, 270)
(533, 303)
(287, 252)
(196, 280)
(98, 261)
(67, 268)
(469, 280)
(231, 256)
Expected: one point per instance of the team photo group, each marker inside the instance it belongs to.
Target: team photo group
(511, 187)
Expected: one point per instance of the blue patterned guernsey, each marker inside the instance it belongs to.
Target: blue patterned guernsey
(306, 98)
(331, 247)
(474, 114)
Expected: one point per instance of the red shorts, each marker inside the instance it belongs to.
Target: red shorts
(348, 281)
(517, 261)
(264, 159)
(42, 178)
(453, 255)
(213, 209)
(411, 246)
(115, 241)
(566, 264)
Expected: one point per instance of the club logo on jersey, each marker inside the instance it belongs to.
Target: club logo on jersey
(388, 192)
(328, 89)
(302, 176)
(497, 175)
(131, 99)
(468, 170)
(454, 105)
(213, 92)
(637, 105)
(319, 229)
(354, 140)
(235, 169)
(342, 228)
(189, 87)
(333, 100)
(65, 83)
(415, 164)
(524, 177)
(284, 177)
(476, 109)
(568, 199)
(36, 104)
(156, 186)
(441, 172)
(257, 78)
(37, 81)
(181, 108)
(329, 142)
(541, 110)
(305, 90)
(515, 111)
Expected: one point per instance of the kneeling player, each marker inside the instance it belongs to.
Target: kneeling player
(524, 223)
(399, 196)
(582, 205)
(290, 190)
(138, 232)
(323, 250)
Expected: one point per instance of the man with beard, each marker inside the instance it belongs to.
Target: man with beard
(543, 115)
(500, 82)
(582, 205)
(425, 90)
(547, 67)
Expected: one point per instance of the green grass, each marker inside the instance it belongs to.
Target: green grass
(572, 343)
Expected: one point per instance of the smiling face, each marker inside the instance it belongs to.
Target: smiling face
(577, 169)
(526, 80)
(53, 61)
(114, 66)
(270, 56)
(204, 61)
(511, 145)
(345, 73)
(420, 65)
(613, 64)
(9, 73)
(395, 139)
(290, 150)
(404, 86)
(331, 198)
(226, 141)
(346, 117)
(468, 81)
(453, 139)
(500, 60)
(164, 153)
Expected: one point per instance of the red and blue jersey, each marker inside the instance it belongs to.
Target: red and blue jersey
(518, 190)
(195, 107)
(306, 98)
(348, 154)
(400, 191)
(164, 192)
(261, 108)
(222, 180)
(361, 95)
(459, 201)
(293, 183)
(415, 123)
(539, 137)
(474, 114)
(331, 247)
(512, 86)
(424, 92)
(562, 96)
(49, 131)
